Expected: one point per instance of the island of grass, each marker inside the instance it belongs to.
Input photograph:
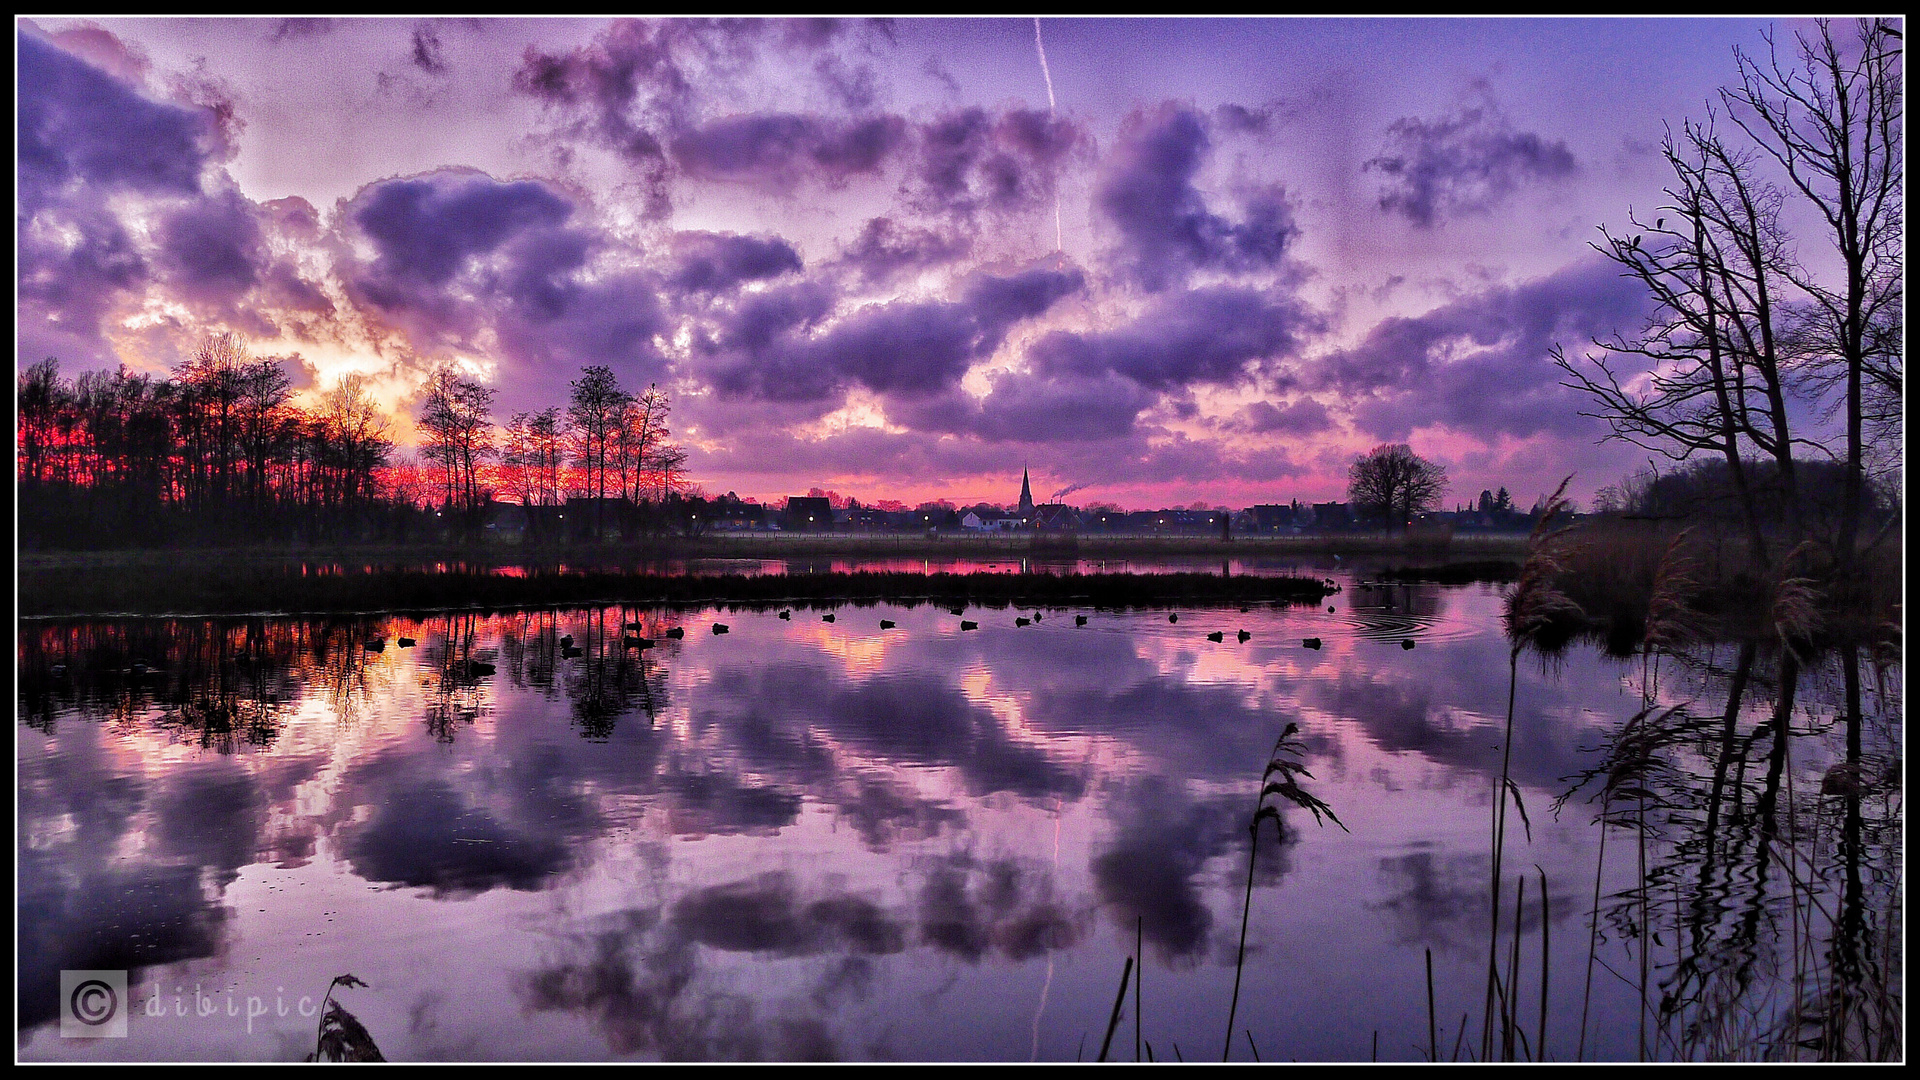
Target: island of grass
(269, 588)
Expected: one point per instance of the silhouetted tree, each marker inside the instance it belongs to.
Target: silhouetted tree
(457, 416)
(1833, 123)
(1395, 482)
(595, 413)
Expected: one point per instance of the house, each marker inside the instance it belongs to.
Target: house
(806, 513)
(1269, 519)
(506, 522)
(1055, 517)
(1332, 516)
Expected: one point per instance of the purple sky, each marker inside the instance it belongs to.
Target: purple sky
(1228, 256)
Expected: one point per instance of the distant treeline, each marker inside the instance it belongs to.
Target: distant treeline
(1705, 489)
(215, 453)
(219, 452)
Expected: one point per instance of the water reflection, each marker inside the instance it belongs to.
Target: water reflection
(536, 839)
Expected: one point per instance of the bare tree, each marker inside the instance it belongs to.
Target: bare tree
(1394, 481)
(457, 415)
(595, 412)
(1714, 376)
(1833, 122)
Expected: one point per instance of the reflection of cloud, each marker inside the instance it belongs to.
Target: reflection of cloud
(638, 979)
(1164, 841)
(1441, 900)
(138, 917)
(710, 803)
(910, 718)
(765, 915)
(970, 909)
(1435, 900)
(424, 833)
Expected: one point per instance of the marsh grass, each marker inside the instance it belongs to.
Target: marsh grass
(1286, 761)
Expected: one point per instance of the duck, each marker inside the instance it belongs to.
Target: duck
(828, 617)
(566, 642)
(1407, 644)
(1217, 635)
(720, 628)
(569, 651)
(788, 615)
(1079, 620)
(1311, 643)
(968, 624)
(677, 632)
(1173, 618)
(407, 643)
(1244, 636)
(377, 645)
(477, 668)
(1023, 622)
(886, 624)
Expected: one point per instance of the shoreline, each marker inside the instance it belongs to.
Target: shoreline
(789, 546)
(255, 590)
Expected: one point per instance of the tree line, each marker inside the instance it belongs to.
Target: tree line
(220, 451)
(216, 451)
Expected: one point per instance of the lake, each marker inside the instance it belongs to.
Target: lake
(808, 840)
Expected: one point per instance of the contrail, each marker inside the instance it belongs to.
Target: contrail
(1059, 242)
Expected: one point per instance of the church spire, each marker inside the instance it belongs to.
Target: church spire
(1026, 494)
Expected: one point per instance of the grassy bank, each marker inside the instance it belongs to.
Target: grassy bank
(240, 588)
(1613, 569)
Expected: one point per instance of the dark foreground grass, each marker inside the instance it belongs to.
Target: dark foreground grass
(257, 588)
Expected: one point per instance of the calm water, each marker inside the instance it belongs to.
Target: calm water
(807, 840)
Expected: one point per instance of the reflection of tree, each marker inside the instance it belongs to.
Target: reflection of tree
(458, 696)
(1749, 867)
(230, 682)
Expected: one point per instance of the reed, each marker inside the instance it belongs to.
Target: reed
(1288, 753)
(340, 1036)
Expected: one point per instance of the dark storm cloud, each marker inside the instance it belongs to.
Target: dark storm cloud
(886, 250)
(760, 349)
(1208, 336)
(717, 262)
(297, 29)
(1021, 407)
(457, 252)
(427, 228)
(971, 160)
(1165, 228)
(1303, 417)
(1463, 163)
(79, 125)
(1479, 364)
(631, 90)
(212, 250)
(777, 151)
(428, 54)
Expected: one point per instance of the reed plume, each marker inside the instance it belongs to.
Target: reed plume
(1537, 603)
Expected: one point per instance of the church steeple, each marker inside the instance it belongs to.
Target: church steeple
(1026, 494)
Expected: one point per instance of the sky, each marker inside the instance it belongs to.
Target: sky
(1157, 262)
